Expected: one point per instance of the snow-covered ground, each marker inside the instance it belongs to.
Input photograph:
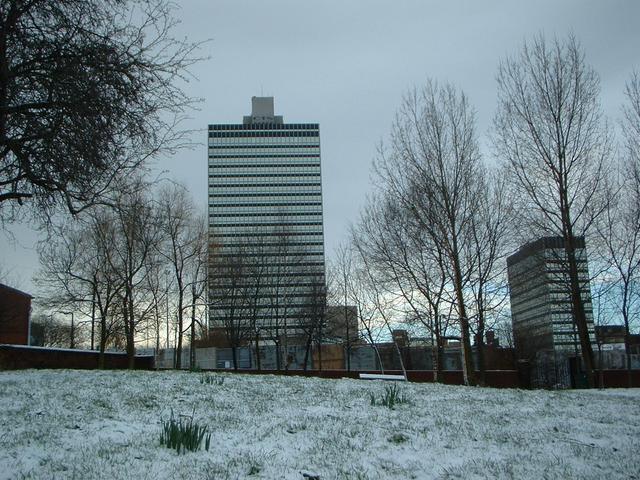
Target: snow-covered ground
(96, 424)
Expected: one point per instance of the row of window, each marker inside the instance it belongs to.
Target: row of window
(293, 175)
(272, 250)
(263, 153)
(263, 126)
(262, 157)
(232, 247)
(258, 221)
(249, 181)
(297, 319)
(224, 211)
(267, 195)
(267, 192)
(275, 215)
(261, 167)
(283, 184)
(279, 134)
(300, 269)
(246, 174)
(267, 228)
(223, 300)
(257, 250)
(279, 206)
(287, 289)
(250, 142)
(315, 235)
(289, 149)
(281, 223)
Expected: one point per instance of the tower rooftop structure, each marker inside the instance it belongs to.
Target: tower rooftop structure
(262, 111)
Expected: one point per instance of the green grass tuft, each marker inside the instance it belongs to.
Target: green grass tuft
(184, 434)
(209, 379)
(392, 396)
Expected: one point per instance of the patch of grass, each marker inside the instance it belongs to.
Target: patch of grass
(209, 379)
(184, 434)
(392, 396)
(296, 426)
(398, 438)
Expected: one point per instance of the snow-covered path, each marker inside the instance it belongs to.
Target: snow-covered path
(97, 424)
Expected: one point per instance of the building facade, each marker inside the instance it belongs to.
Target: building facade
(267, 270)
(541, 308)
(15, 316)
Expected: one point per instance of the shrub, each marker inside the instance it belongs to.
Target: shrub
(184, 434)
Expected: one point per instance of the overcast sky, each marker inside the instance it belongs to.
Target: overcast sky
(346, 64)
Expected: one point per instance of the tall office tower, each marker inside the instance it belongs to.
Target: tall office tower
(541, 310)
(265, 224)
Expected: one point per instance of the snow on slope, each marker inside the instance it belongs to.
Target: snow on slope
(97, 424)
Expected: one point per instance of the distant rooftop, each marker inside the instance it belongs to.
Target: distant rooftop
(539, 245)
(262, 112)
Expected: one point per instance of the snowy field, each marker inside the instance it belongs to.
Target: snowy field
(92, 424)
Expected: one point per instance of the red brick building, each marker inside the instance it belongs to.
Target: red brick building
(15, 315)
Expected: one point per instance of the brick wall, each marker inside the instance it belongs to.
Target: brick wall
(15, 357)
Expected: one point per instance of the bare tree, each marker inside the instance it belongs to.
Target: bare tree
(408, 265)
(366, 300)
(230, 301)
(314, 315)
(182, 249)
(89, 89)
(282, 270)
(76, 273)
(432, 169)
(550, 132)
(196, 275)
(50, 331)
(631, 120)
(619, 228)
(137, 236)
(486, 252)
(341, 271)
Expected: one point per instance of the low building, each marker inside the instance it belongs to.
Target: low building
(610, 337)
(15, 316)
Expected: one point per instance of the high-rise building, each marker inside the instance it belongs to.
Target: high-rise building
(541, 308)
(265, 223)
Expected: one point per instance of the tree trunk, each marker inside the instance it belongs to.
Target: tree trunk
(129, 327)
(234, 354)
(103, 341)
(348, 338)
(439, 360)
(180, 326)
(278, 356)
(320, 347)
(306, 352)
(93, 318)
(580, 318)
(192, 345)
(258, 362)
(467, 360)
